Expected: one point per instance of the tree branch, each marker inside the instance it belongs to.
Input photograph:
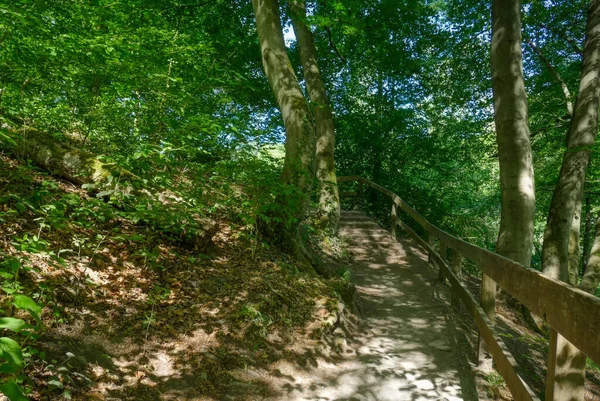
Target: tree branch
(566, 37)
(189, 5)
(554, 73)
(333, 46)
(550, 189)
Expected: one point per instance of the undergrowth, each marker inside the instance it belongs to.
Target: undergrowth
(80, 273)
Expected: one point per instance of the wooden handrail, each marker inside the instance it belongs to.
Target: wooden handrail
(573, 313)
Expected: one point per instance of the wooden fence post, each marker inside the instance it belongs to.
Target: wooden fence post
(444, 257)
(566, 370)
(488, 304)
(394, 221)
(457, 270)
(431, 240)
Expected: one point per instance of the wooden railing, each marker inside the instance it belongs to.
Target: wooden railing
(572, 313)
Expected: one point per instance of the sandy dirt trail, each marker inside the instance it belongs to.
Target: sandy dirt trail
(409, 349)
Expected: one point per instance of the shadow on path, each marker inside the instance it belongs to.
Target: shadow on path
(409, 348)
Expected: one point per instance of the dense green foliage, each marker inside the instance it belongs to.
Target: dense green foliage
(420, 119)
(175, 93)
(149, 83)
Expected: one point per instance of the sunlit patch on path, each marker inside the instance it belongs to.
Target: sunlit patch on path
(408, 349)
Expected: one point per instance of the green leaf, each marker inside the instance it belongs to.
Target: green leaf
(102, 194)
(28, 304)
(11, 323)
(7, 288)
(13, 391)
(14, 264)
(54, 382)
(7, 139)
(11, 352)
(8, 368)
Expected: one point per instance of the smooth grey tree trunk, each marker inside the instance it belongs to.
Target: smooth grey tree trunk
(563, 219)
(560, 256)
(515, 238)
(328, 213)
(298, 167)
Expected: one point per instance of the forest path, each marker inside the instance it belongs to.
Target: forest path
(409, 348)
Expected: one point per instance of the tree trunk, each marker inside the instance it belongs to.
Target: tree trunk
(298, 166)
(515, 239)
(329, 201)
(569, 374)
(568, 193)
(566, 364)
(59, 158)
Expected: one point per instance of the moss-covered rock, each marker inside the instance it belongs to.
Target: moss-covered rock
(81, 167)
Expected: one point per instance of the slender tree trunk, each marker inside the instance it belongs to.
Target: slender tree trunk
(62, 159)
(569, 373)
(298, 167)
(515, 239)
(329, 200)
(563, 222)
(566, 364)
(377, 144)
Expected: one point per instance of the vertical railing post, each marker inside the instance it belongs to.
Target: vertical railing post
(394, 221)
(457, 270)
(488, 304)
(565, 378)
(431, 241)
(444, 257)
